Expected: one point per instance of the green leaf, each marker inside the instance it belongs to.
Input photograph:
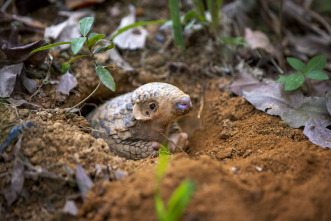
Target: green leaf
(159, 205)
(179, 200)
(316, 63)
(163, 162)
(189, 25)
(77, 44)
(65, 67)
(91, 35)
(141, 23)
(296, 64)
(85, 25)
(234, 41)
(214, 8)
(281, 78)
(189, 15)
(49, 46)
(200, 7)
(292, 82)
(318, 75)
(93, 40)
(103, 48)
(78, 57)
(105, 77)
(176, 25)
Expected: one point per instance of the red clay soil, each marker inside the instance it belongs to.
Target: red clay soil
(246, 164)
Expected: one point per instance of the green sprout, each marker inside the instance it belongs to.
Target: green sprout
(179, 198)
(192, 17)
(312, 70)
(89, 40)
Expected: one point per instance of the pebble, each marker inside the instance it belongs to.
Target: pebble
(36, 159)
(247, 153)
(155, 61)
(120, 174)
(222, 154)
(282, 124)
(24, 113)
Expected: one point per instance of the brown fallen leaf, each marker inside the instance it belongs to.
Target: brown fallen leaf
(25, 20)
(25, 6)
(258, 39)
(244, 82)
(22, 53)
(72, 4)
(10, 36)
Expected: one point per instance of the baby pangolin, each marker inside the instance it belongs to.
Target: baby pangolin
(134, 124)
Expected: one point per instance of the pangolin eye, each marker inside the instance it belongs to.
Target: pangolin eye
(152, 107)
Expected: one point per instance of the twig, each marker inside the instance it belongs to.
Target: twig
(281, 22)
(44, 81)
(173, 143)
(87, 96)
(202, 101)
(4, 8)
(276, 65)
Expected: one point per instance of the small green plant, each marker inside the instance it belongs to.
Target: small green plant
(234, 41)
(312, 70)
(180, 197)
(176, 24)
(89, 40)
(191, 17)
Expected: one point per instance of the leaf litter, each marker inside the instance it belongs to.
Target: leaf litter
(8, 75)
(131, 39)
(67, 83)
(318, 133)
(68, 29)
(293, 107)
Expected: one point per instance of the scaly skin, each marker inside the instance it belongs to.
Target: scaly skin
(134, 124)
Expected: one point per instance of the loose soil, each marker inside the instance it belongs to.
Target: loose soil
(246, 165)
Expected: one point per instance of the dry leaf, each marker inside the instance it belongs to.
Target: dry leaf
(28, 83)
(116, 57)
(70, 208)
(8, 76)
(72, 4)
(84, 182)
(66, 30)
(67, 83)
(133, 38)
(244, 82)
(292, 106)
(328, 101)
(317, 133)
(258, 39)
(22, 53)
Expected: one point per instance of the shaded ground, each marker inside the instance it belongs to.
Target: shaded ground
(247, 165)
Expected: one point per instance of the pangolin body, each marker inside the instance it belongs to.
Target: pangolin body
(134, 124)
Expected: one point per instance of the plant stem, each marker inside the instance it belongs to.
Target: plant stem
(87, 96)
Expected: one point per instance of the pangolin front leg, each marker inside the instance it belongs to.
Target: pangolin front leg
(179, 139)
(131, 149)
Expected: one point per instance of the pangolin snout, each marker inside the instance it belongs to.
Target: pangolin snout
(183, 105)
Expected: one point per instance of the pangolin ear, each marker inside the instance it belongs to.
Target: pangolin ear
(140, 114)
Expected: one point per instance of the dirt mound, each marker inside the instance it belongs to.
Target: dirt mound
(255, 169)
